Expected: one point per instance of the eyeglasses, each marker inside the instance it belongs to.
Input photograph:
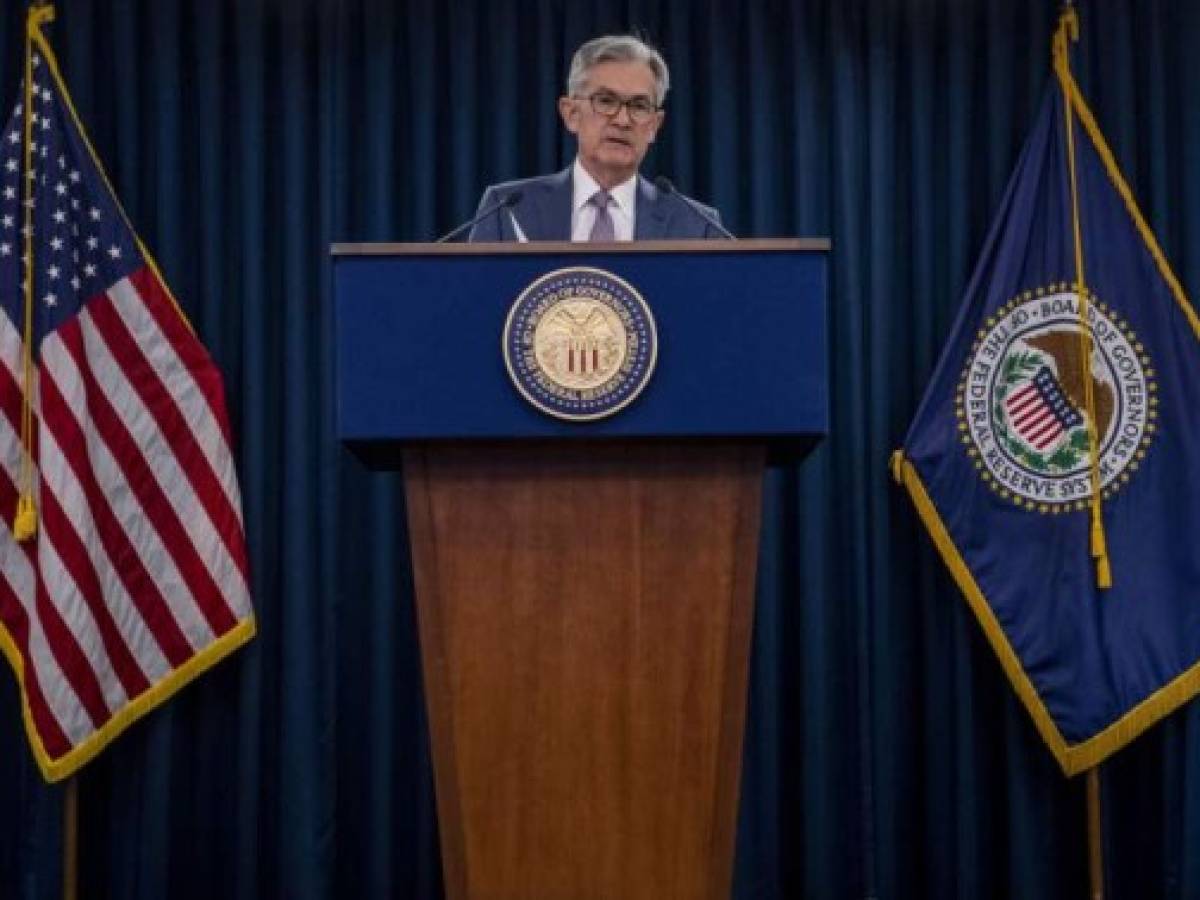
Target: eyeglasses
(605, 103)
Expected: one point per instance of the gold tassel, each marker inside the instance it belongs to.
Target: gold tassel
(1099, 545)
(25, 522)
(1068, 30)
(1100, 552)
(897, 466)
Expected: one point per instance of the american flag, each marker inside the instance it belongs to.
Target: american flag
(136, 579)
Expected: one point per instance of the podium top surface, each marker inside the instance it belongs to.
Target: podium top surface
(755, 245)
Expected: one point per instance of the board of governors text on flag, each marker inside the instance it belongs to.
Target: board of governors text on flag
(123, 569)
(1053, 456)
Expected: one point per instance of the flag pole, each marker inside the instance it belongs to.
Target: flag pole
(1094, 833)
(1066, 32)
(70, 870)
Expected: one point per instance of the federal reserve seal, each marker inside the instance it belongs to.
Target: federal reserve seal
(1022, 401)
(580, 344)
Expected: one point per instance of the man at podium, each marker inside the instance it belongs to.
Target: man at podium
(614, 107)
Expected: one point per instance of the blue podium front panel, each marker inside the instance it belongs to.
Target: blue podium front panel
(741, 342)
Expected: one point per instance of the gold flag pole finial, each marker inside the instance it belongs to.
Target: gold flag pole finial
(1066, 34)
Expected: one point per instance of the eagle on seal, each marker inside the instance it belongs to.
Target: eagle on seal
(1066, 350)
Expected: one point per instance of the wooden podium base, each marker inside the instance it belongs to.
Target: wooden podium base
(585, 614)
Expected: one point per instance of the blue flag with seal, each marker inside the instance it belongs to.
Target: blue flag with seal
(1052, 456)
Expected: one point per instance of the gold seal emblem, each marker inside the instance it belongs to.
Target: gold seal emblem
(580, 343)
(1022, 408)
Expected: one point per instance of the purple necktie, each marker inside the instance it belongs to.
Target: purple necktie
(602, 229)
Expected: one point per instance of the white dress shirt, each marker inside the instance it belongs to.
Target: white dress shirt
(583, 213)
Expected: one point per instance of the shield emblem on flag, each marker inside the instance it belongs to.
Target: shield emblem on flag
(1040, 413)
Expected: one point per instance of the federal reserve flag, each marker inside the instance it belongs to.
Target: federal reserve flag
(123, 568)
(1054, 456)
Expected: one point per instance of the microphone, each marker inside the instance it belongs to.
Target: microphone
(511, 199)
(663, 183)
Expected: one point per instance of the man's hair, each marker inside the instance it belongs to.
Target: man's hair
(618, 48)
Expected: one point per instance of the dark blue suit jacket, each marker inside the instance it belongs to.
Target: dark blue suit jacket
(544, 212)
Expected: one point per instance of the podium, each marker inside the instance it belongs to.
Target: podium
(584, 588)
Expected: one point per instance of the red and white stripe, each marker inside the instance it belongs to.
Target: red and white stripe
(139, 564)
(1032, 417)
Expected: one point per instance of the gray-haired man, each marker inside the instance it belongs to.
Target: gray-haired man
(614, 107)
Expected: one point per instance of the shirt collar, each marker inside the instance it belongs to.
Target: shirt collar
(585, 186)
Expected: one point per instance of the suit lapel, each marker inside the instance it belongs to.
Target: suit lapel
(546, 214)
(653, 214)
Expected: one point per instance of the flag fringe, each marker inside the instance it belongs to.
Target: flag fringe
(57, 769)
(1073, 758)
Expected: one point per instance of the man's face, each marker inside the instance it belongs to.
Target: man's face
(611, 147)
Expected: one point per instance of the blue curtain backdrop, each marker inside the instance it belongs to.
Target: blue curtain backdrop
(885, 755)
